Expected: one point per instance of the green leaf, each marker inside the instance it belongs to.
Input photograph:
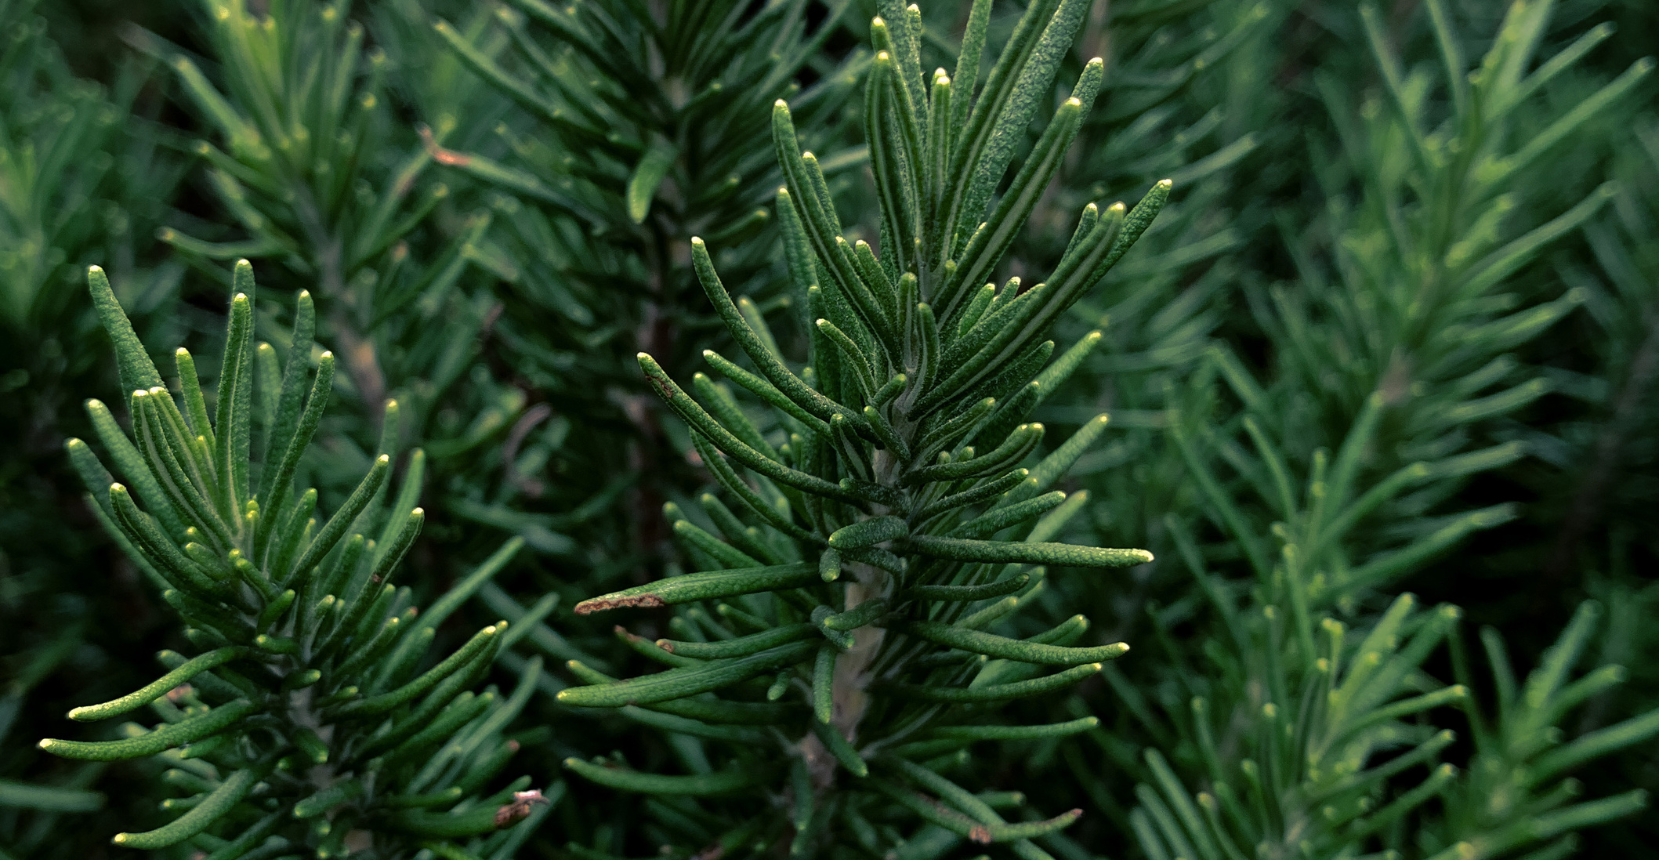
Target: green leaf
(1583, 111)
(460, 592)
(993, 692)
(983, 490)
(992, 645)
(869, 532)
(132, 466)
(755, 347)
(838, 747)
(335, 529)
(161, 550)
(159, 687)
(741, 646)
(1005, 552)
(376, 705)
(967, 593)
(1013, 733)
(707, 585)
(21, 795)
(1593, 745)
(1019, 443)
(179, 478)
(286, 425)
(1004, 224)
(722, 438)
(234, 420)
(682, 683)
(896, 159)
(267, 382)
(624, 779)
(137, 371)
(450, 825)
(202, 816)
(166, 737)
(343, 791)
(1006, 103)
(997, 519)
(1134, 225)
(247, 838)
(277, 484)
(648, 174)
(823, 682)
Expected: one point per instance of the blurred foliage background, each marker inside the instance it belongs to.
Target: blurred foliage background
(1372, 259)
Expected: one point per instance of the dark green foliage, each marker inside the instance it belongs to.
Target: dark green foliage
(636, 129)
(83, 179)
(307, 152)
(1372, 387)
(1393, 360)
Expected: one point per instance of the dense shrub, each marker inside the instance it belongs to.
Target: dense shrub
(756, 424)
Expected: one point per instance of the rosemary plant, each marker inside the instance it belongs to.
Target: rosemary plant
(887, 519)
(636, 130)
(1399, 330)
(307, 720)
(306, 155)
(82, 180)
(1343, 742)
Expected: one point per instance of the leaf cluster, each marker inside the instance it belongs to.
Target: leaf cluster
(308, 719)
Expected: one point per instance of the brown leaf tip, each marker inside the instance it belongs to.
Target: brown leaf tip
(438, 153)
(519, 809)
(600, 604)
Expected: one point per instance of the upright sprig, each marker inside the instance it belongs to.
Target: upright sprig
(1516, 792)
(884, 515)
(309, 719)
(63, 149)
(636, 130)
(1397, 365)
(1337, 761)
(1394, 358)
(1290, 761)
(643, 125)
(307, 159)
